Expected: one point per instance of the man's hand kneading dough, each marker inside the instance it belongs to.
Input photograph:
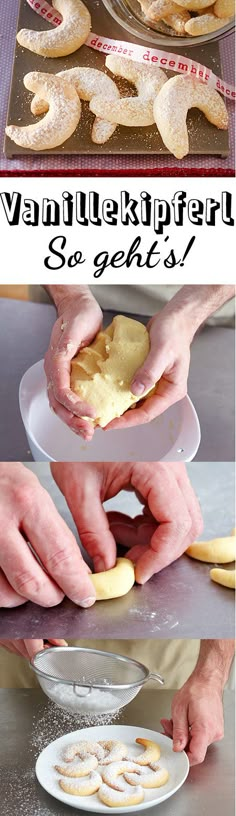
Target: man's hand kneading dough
(79, 320)
(171, 332)
(170, 519)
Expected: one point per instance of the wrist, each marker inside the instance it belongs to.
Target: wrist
(63, 296)
(192, 305)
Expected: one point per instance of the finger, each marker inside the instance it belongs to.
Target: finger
(93, 526)
(78, 425)
(24, 573)
(151, 408)
(131, 532)
(150, 372)
(168, 727)
(166, 503)
(14, 646)
(180, 729)
(8, 597)
(34, 646)
(198, 744)
(58, 550)
(190, 499)
(78, 332)
(60, 368)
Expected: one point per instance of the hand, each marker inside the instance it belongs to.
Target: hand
(171, 518)
(79, 320)
(28, 648)
(197, 717)
(167, 364)
(29, 519)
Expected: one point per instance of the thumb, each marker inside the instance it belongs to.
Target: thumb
(150, 372)
(180, 731)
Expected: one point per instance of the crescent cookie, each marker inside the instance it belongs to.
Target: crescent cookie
(82, 767)
(192, 5)
(205, 24)
(171, 106)
(85, 787)
(161, 8)
(83, 748)
(113, 798)
(224, 8)
(66, 38)
(153, 779)
(151, 754)
(88, 82)
(131, 111)
(61, 120)
(115, 751)
(177, 20)
(111, 775)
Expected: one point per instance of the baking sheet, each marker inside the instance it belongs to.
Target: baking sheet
(204, 138)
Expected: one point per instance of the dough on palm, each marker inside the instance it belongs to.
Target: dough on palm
(219, 550)
(102, 373)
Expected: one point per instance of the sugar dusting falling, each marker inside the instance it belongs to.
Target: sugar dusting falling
(21, 794)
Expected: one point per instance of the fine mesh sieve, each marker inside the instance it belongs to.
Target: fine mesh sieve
(89, 681)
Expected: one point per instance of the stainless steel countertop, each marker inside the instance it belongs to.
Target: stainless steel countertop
(28, 722)
(180, 602)
(25, 332)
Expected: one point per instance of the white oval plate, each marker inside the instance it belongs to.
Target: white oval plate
(174, 436)
(176, 764)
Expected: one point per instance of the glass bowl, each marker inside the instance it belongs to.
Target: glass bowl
(129, 15)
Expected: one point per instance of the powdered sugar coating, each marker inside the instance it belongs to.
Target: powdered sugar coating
(115, 751)
(171, 106)
(204, 24)
(112, 774)
(85, 787)
(66, 38)
(131, 111)
(61, 120)
(82, 767)
(82, 748)
(88, 82)
(125, 798)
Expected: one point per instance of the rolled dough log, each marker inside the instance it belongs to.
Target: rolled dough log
(102, 373)
(114, 582)
(220, 550)
(225, 577)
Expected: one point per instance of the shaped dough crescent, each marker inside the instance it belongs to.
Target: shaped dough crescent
(225, 577)
(114, 582)
(220, 550)
(66, 38)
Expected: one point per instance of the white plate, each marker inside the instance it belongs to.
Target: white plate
(174, 436)
(176, 764)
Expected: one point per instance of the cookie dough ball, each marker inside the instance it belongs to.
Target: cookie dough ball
(102, 373)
